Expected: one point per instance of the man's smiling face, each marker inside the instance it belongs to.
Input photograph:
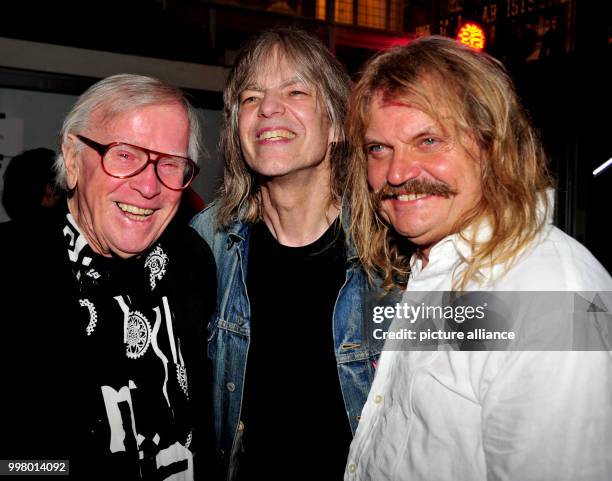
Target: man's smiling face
(283, 127)
(424, 180)
(126, 216)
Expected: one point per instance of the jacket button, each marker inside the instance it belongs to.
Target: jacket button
(231, 387)
(352, 468)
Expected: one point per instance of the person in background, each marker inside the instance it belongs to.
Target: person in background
(445, 158)
(29, 183)
(104, 300)
(290, 364)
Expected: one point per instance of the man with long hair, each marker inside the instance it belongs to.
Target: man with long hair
(446, 161)
(290, 289)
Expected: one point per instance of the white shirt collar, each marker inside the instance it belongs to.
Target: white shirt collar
(447, 254)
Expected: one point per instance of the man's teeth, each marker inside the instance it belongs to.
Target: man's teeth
(132, 209)
(409, 197)
(276, 135)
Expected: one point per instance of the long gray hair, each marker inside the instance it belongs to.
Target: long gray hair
(315, 66)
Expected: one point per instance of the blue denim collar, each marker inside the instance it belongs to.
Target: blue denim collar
(238, 231)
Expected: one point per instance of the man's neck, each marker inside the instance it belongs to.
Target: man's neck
(299, 210)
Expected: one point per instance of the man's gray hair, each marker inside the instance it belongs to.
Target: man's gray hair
(315, 66)
(116, 95)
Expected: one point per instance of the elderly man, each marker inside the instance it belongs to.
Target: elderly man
(101, 352)
(454, 167)
(290, 361)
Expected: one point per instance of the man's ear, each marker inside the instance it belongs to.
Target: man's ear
(71, 161)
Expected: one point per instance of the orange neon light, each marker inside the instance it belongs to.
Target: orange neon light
(472, 35)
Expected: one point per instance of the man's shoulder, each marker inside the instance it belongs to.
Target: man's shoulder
(208, 214)
(35, 234)
(582, 270)
(208, 226)
(559, 262)
(186, 244)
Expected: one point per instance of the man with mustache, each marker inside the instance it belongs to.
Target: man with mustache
(446, 159)
(290, 361)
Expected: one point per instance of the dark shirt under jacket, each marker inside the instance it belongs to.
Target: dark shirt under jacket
(294, 416)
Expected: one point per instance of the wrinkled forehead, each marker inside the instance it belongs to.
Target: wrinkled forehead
(117, 108)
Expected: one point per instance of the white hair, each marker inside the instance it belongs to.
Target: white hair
(116, 95)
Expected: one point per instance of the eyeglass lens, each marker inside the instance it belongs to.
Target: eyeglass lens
(124, 160)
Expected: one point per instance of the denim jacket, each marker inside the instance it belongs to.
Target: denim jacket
(229, 332)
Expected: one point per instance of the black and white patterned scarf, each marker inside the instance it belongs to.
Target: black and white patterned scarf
(136, 372)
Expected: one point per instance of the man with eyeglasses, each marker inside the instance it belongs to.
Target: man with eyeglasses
(102, 354)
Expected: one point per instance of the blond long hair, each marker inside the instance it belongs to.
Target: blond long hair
(316, 66)
(471, 95)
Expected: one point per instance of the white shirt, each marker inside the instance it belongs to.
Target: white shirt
(502, 415)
